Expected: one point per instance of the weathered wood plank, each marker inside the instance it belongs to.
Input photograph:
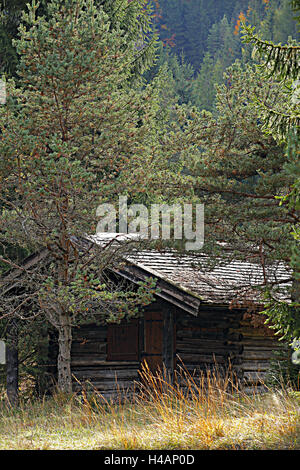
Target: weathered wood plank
(207, 350)
(209, 324)
(201, 333)
(106, 364)
(253, 377)
(88, 348)
(197, 358)
(256, 365)
(113, 386)
(106, 374)
(91, 332)
(257, 355)
(260, 347)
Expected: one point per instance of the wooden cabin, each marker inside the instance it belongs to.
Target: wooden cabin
(198, 321)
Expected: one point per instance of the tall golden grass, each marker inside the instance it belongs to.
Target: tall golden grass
(206, 412)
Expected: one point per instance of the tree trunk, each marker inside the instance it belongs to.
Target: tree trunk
(12, 375)
(12, 366)
(168, 345)
(64, 355)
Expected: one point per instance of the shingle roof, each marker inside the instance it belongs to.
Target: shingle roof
(235, 281)
(187, 281)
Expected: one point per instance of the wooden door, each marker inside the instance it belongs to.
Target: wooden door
(123, 341)
(153, 340)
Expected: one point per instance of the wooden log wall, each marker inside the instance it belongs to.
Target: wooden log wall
(220, 339)
(208, 341)
(90, 367)
(258, 351)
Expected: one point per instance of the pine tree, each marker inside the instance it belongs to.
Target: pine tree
(74, 135)
(210, 74)
(223, 49)
(239, 175)
(197, 23)
(133, 17)
(282, 62)
(180, 83)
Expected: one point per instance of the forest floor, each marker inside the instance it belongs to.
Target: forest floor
(162, 417)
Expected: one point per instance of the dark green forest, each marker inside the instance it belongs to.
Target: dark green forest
(202, 38)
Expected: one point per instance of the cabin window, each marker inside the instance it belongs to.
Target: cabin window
(123, 341)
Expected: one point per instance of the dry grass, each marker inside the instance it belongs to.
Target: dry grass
(205, 414)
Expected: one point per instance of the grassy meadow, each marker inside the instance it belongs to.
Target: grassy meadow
(206, 414)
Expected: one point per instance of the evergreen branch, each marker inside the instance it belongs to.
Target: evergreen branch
(278, 59)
